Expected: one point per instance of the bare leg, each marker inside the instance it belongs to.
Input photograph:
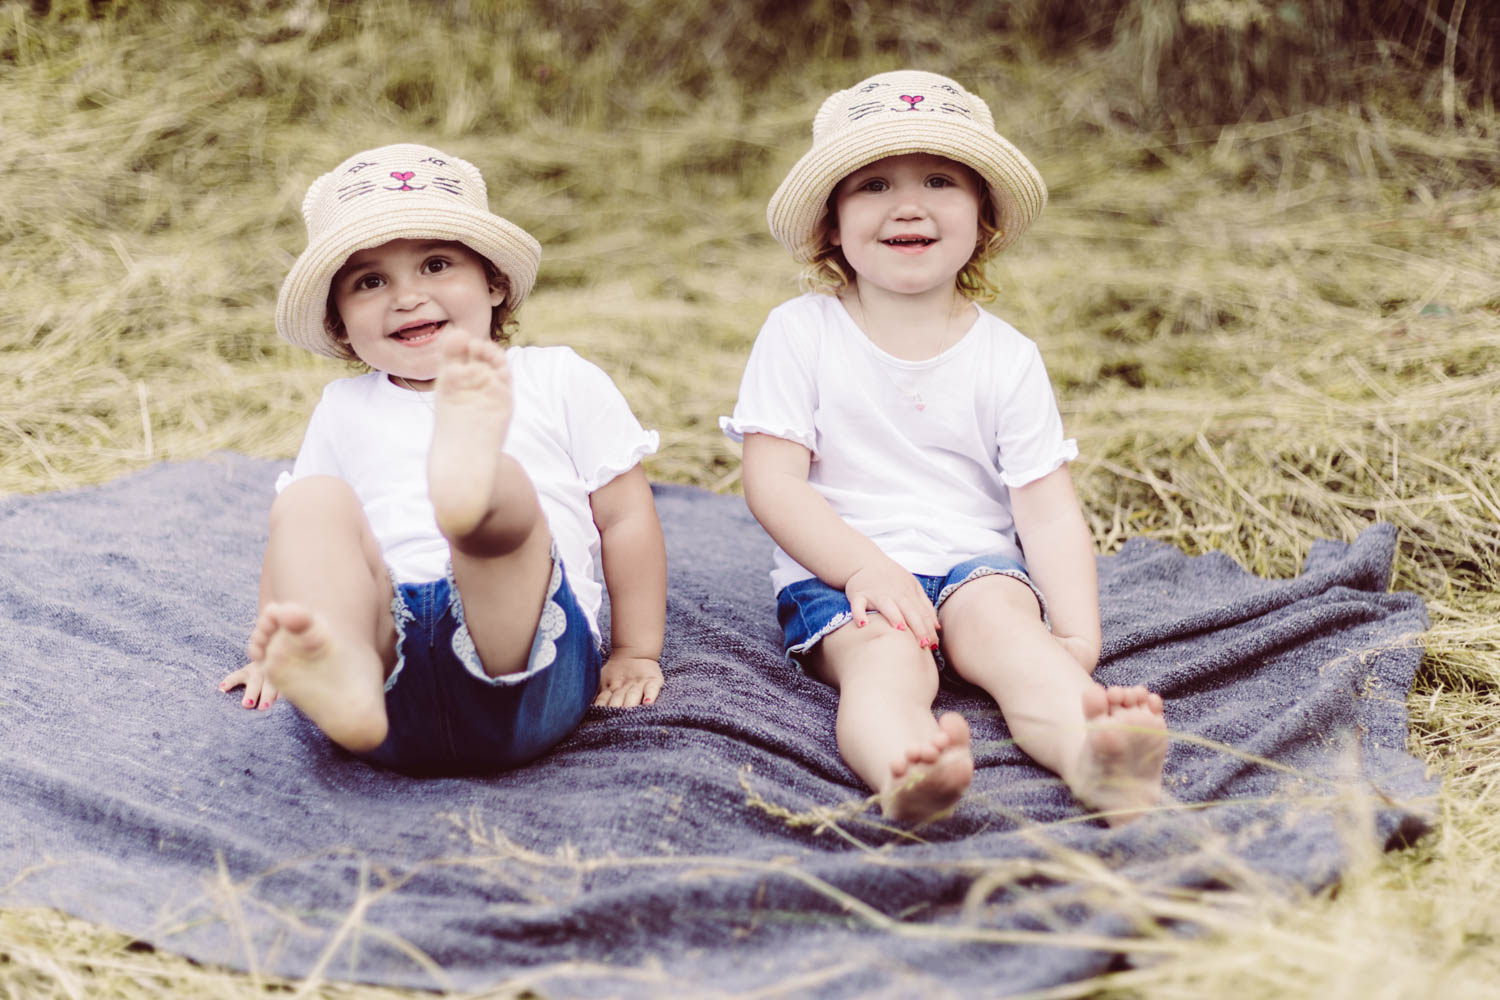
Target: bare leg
(325, 635)
(1108, 746)
(920, 766)
(486, 505)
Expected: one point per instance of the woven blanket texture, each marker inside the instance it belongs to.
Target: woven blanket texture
(700, 846)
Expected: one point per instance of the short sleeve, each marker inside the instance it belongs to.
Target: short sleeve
(1029, 440)
(604, 437)
(317, 456)
(778, 394)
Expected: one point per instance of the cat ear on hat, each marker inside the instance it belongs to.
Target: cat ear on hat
(314, 192)
(829, 110)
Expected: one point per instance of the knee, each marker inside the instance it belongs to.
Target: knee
(314, 494)
(878, 654)
(996, 601)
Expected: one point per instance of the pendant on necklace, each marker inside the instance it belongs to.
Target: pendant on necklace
(921, 405)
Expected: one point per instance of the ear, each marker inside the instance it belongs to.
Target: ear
(499, 289)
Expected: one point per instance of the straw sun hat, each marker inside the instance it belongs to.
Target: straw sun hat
(906, 111)
(394, 192)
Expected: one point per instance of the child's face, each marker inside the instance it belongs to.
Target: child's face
(396, 300)
(908, 224)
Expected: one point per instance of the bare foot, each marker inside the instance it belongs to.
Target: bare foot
(931, 777)
(474, 406)
(1119, 770)
(336, 684)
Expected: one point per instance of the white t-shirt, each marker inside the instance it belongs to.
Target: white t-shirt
(918, 456)
(572, 432)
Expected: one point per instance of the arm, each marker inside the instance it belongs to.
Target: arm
(803, 524)
(635, 574)
(1060, 560)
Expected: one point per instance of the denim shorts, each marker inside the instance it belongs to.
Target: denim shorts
(448, 717)
(810, 609)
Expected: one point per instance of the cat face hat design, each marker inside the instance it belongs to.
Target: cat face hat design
(405, 191)
(889, 114)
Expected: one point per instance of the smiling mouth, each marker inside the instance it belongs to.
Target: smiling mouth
(418, 332)
(909, 241)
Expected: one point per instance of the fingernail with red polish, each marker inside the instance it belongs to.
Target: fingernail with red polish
(901, 626)
(860, 623)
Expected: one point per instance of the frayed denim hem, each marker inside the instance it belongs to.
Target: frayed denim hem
(1014, 574)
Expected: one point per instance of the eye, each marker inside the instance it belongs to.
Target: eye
(939, 181)
(366, 281)
(874, 185)
(436, 265)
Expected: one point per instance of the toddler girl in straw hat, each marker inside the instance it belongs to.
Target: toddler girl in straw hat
(903, 447)
(429, 592)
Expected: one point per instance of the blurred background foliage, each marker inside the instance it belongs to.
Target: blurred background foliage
(1188, 62)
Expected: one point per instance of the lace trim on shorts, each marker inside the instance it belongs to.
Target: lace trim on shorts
(836, 621)
(1014, 574)
(549, 628)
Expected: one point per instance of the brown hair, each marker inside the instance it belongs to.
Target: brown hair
(829, 269)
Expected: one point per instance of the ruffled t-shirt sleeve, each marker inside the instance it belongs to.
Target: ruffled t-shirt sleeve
(1029, 440)
(604, 437)
(778, 393)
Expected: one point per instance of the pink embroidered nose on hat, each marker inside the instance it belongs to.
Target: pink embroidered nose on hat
(890, 114)
(405, 191)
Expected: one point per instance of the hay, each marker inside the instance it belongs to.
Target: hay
(1271, 317)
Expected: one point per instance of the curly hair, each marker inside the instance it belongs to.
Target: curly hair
(829, 271)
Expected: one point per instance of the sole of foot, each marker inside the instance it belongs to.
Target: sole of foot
(334, 683)
(473, 405)
(1120, 767)
(929, 782)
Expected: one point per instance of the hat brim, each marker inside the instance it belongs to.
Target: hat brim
(303, 302)
(797, 207)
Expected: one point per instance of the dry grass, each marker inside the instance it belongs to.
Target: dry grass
(1266, 326)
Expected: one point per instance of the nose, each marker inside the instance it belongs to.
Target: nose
(407, 294)
(908, 204)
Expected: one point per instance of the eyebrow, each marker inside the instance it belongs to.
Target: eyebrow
(354, 263)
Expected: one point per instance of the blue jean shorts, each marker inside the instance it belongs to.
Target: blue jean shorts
(810, 609)
(447, 716)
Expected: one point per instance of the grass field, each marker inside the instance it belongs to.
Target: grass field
(1270, 304)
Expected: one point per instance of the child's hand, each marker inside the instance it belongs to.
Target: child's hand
(627, 681)
(259, 692)
(890, 589)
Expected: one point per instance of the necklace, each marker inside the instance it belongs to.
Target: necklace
(942, 345)
(423, 396)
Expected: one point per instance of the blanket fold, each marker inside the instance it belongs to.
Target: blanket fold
(713, 842)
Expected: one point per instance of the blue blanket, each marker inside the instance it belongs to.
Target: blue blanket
(712, 842)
